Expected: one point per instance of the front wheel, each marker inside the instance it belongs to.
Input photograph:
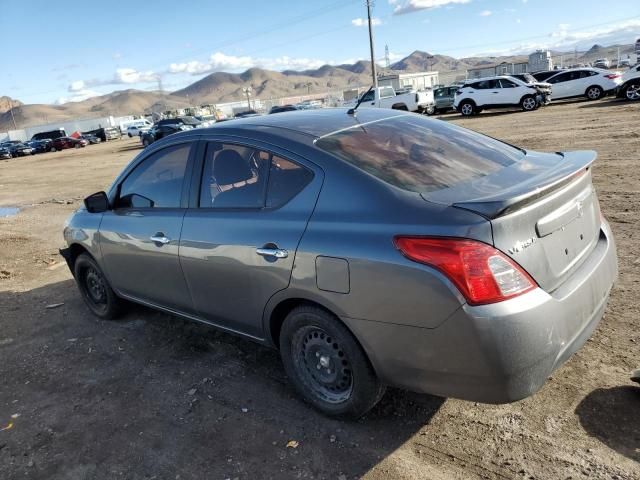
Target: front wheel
(632, 91)
(430, 110)
(594, 93)
(95, 289)
(529, 103)
(327, 365)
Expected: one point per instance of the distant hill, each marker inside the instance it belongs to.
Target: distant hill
(7, 102)
(224, 87)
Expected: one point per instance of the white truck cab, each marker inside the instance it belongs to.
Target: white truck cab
(386, 97)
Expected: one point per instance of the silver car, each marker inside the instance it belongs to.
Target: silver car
(372, 249)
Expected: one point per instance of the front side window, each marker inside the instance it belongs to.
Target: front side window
(369, 96)
(386, 92)
(419, 154)
(157, 181)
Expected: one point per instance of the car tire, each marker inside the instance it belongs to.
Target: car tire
(632, 91)
(129, 135)
(77, 145)
(53, 149)
(430, 110)
(326, 364)
(95, 289)
(467, 108)
(528, 103)
(145, 142)
(594, 92)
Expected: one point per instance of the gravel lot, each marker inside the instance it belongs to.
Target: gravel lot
(152, 396)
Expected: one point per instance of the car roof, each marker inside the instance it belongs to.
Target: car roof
(316, 123)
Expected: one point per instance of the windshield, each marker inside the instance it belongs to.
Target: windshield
(529, 78)
(190, 121)
(419, 154)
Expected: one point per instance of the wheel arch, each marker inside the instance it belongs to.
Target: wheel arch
(399, 106)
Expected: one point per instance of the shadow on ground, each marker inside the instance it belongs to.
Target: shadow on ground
(612, 415)
(152, 395)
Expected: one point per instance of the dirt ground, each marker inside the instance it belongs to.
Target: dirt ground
(152, 396)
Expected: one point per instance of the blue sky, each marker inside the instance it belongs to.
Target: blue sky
(55, 53)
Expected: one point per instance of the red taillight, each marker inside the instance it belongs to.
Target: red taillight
(481, 273)
(611, 76)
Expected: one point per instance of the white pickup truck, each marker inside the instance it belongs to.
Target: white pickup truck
(386, 97)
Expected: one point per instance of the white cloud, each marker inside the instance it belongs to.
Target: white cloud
(410, 6)
(131, 75)
(222, 62)
(122, 76)
(485, 13)
(77, 86)
(362, 22)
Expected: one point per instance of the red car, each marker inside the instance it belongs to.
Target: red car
(68, 142)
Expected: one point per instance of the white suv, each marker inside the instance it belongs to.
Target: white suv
(496, 92)
(630, 87)
(592, 83)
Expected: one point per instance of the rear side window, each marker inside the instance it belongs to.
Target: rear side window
(237, 176)
(157, 181)
(419, 154)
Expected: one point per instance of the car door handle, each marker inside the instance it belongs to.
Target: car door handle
(272, 252)
(160, 238)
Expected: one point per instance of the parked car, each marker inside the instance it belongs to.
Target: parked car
(105, 134)
(49, 135)
(5, 153)
(186, 121)
(544, 75)
(18, 148)
(624, 63)
(593, 83)
(443, 98)
(139, 124)
(283, 108)
(246, 113)
(387, 249)
(63, 143)
(544, 87)
(137, 130)
(92, 139)
(386, 97)
(497, 92)
(39, 146)
(630, 84)
(602, 63)
(160, 131)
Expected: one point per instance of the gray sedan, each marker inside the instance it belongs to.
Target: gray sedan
(372, 249)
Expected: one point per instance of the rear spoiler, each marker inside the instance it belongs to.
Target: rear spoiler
(573, 165)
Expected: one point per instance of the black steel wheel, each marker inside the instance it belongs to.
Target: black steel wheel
(326, 364)
(95, 289)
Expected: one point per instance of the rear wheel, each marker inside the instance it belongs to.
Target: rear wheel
(594, 92)
(632, 91)
(95, 289)
(430, 110)
(528, 103)
(327, 365)
(467, 108)
(146, 142)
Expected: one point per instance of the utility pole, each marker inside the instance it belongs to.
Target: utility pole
(374, 74)
(247, 92)
(13, 119)
(387, 60)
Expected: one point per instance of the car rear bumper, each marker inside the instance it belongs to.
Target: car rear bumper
(496, 353)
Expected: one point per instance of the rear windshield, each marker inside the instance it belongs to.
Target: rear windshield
(419, 154)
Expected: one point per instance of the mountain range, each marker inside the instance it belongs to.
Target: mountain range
(221, 87)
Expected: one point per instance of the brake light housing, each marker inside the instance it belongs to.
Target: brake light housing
(612, 76)
(481, 273)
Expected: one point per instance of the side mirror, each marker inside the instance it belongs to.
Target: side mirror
(97, 203)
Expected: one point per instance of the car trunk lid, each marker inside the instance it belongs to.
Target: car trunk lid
(543, 211)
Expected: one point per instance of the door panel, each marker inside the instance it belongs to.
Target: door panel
(230, 282)
(151, 202)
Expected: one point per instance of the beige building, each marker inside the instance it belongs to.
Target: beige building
(415, 80)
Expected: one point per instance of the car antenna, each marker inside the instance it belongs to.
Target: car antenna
(352, 111)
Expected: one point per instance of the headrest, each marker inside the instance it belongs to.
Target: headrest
(230, 167)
